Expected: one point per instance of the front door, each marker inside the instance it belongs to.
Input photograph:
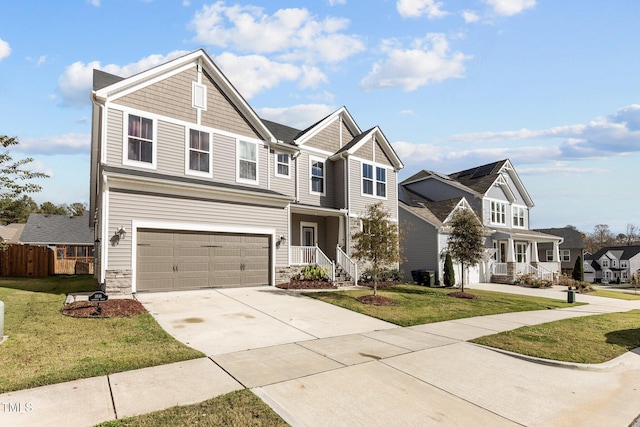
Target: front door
(308, 231)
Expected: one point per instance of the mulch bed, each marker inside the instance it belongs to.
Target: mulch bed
(463, 295)
(109, 308)
(376, 300)
(306, 284)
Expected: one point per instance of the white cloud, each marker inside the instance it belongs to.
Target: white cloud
(252, 74)
(186, 3)
(5, 49)
(470, 16)
(407, 112)
(95, 3)
(74, 85)
(292, 33)
(417, 8)
(427, 61)
(337, 2)
(71, 143)
(510, 7)
(41, 60)
(562, 168)
(298, 116)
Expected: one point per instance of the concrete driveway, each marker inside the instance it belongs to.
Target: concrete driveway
(318, 365)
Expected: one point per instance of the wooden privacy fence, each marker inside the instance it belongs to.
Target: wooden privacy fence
(38, 261)
(27, 261)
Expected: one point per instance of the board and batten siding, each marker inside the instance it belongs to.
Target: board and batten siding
(125, 207)
(420, 244)
(170, 97)
(358, 202)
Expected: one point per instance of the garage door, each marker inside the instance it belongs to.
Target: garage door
(169, 260)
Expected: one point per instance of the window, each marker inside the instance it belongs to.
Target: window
(498, 211)
(367, 179)
(199, 152)
(549, 255)
(282, 165)
(521, 252)
(368, 183)
(566, 255)
(317, 176)
(248, 162)
(624, 264)
(518, 216)
(140, 139)
(381, 182)
(605, 263)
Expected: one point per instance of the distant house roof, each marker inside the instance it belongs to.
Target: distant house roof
(620, 252)
(44, 229)
(572, 238)
(284, 133)
(479, 178)
(11, 233)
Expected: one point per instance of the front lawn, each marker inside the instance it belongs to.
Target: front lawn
(417, 305)
(239, 409)
(45, 347)
(626, 295)
(590, 339)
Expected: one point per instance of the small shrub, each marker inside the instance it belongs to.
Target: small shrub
(312, 272)
(384, 275)
(531, 281)
(578, 285)
(449, 273)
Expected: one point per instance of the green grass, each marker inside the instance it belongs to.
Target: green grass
(239, 409)
(626, 295)
(590, 339)
(45, 347)
(418, 305)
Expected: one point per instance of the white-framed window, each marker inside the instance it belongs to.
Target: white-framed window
(518, 216)
(521, 252)
(624, 263)
(614, 263)
(624, 275)
(247, 162)
(367, 179)
(139, 141)
(283, 165)
(565, 255)
(317, 172)
(549, 254)
(198, 157)
(199, 96)
(374, 185)
(498, 212)
(605, 263)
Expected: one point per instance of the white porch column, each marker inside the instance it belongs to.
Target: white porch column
(511, 251)
(556, 251)
(341, 228)
(534, 252)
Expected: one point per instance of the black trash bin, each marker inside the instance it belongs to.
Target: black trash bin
(571, 296)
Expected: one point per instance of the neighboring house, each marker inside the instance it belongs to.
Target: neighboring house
(612, 264)
(11, 233)
(70, 237)
(571, 248)
(190, 188)
(499, 198)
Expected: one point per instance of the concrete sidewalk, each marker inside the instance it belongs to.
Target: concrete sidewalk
(317, 364)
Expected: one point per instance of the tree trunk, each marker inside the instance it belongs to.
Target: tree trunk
(462, 287)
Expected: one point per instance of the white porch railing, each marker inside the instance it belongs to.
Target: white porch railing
(347, 264)
(499, 268)
(525, 268)
(305, 255)
(544, 273)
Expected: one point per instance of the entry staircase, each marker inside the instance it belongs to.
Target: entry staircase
(342, 272)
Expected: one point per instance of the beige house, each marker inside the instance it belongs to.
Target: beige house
(191, 189)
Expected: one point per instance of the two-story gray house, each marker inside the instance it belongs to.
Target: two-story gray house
(494, 191)
(191, 189)
(613, 264)
(571, 248)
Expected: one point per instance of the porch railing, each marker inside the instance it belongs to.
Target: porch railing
(347, 263)
(500, 268)
(524, 268)
(305, 255)
(544, 273)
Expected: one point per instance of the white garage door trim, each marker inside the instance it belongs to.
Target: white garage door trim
(215, 228)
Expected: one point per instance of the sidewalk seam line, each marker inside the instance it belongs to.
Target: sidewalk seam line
(113, 402)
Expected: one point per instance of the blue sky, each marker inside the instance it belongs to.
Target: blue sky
(552, 85)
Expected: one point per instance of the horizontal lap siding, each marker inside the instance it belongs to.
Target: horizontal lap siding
(305, 183)
(358, 202)
(171, 148)
(419, 244)
(285, 186)
(125, 207)
(115, 135)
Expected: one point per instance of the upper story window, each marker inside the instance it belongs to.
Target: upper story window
(199, 152)
(605, 263)
(498, 213)
(565, 254)
(140, 146)
(317, 167)
(624, 263)
(247, 165)
(518, 216)
(283, 165)
(374, 187)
